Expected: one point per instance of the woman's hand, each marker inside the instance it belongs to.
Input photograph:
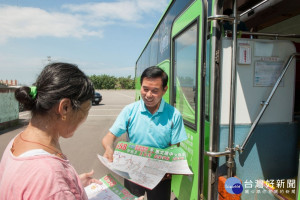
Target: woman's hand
(87, 178)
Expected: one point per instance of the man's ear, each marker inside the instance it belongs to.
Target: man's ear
(165, 89)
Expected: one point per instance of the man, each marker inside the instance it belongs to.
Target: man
(149, 122)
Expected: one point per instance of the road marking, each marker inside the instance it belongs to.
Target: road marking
(126, 95)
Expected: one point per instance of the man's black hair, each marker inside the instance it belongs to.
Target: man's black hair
(155, 72)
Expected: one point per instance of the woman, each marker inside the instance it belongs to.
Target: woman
(33, 165)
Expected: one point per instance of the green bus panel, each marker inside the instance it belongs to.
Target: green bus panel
(165, 65)
(187, 187)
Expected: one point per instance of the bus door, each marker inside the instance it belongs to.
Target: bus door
(266, 123)
(270, 155)
(186, 86)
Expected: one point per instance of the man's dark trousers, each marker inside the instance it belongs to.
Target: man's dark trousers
(161, 192)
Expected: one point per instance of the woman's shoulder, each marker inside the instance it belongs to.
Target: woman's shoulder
(52, 170)
(52, 163)
(44, 177)
(43, 164)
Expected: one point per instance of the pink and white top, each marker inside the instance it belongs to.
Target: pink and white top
(38, 176)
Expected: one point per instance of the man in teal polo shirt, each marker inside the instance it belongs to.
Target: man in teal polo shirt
(149, 122)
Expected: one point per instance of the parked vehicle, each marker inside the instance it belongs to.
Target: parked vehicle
(97, 98)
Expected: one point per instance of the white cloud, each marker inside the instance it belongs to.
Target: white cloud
(152, 5)
(80, 19)
(124, 10)
(22, 22)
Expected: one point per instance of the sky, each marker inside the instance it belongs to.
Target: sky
(100, 36)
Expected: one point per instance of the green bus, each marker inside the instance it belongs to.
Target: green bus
(234, 75)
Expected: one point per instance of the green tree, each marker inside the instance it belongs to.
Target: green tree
(96, 81)
(126, 83)
(108, 82)
(104, 81)
(111, 82)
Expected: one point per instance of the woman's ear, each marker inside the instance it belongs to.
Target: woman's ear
(64, 106)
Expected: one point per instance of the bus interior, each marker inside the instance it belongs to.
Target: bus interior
(279, 19)
(267, 34)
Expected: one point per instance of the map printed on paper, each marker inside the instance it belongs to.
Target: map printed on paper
(110, 189)
(146, 166)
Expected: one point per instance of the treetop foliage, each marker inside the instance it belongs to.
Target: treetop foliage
(111, 82)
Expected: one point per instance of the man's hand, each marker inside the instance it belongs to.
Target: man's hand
(167, 176)
(108, 142)
(109, 152)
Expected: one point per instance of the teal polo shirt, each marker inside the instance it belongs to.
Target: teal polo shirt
(161, 129)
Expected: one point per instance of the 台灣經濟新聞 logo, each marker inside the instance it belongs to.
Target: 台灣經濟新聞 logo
(233, 186)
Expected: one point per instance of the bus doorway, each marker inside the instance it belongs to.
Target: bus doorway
(254, 94)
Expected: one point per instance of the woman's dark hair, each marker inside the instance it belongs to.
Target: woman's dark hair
(56, 81)
(155, 72)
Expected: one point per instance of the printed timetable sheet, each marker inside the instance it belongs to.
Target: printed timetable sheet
(110, 189)
(146, 166)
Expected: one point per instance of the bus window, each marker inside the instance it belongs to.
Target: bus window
(154, 49)
(158, 48)
(165, 28)
(185, 64)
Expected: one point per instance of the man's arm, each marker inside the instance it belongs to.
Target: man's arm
(178, 130)
(108, 144)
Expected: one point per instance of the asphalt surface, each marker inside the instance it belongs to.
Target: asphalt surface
(83, 147)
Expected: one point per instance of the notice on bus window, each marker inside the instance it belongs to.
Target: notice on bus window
(146, 166)
(109, 189)
(267, 73)
(244, 54)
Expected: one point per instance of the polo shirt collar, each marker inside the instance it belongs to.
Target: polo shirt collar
(160, 109)
(161, 106)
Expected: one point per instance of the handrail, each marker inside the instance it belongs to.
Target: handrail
(270, 34)
(266, 103)
(276, 35)
(217, 154)
(220, 17)
(229, 150)
(227, 18)
(230, 160)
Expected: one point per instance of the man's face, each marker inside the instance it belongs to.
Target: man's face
(152, 92)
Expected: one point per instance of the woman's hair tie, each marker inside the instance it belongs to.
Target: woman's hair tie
(33, 92)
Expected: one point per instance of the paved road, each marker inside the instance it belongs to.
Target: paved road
(83, 147)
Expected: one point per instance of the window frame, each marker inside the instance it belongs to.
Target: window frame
(186, 28)
(156, 31)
